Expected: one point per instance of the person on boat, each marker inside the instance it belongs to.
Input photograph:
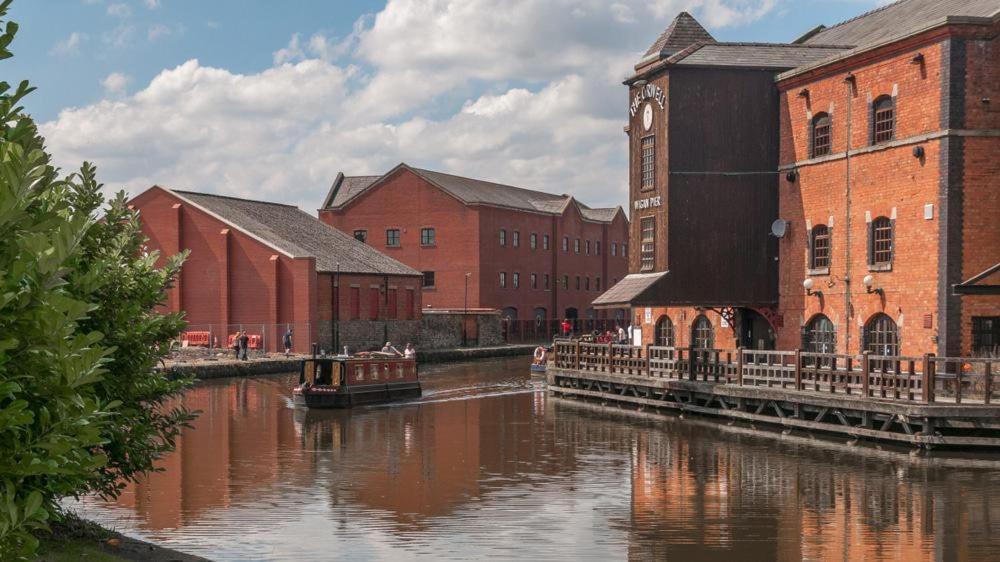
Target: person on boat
(540, 355)
(388, 348)
(409, 352)
(288, 341)
(244, 343)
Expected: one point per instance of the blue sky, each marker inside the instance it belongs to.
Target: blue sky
(270, 99)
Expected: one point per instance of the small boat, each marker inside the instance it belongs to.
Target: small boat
(345, 381)
(537, 368)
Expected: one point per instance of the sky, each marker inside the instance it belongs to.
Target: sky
(269, 100)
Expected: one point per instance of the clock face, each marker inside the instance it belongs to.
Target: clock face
(647, 116)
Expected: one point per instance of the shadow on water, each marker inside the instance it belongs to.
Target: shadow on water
(486, 464)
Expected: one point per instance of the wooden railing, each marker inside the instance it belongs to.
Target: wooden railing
(925, 379)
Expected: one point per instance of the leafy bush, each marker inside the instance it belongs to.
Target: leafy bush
(81, 408)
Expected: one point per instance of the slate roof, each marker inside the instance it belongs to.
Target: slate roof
(473, 191)
(682, 32)
(753, 55)
(290, 230)
(898, 20)
(626, 290)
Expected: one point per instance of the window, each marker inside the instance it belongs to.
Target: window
(821, 139)
(614, 248)
(392, 237)
(577, 282)
(985, 335)
(516, 279)
(702, 333)
(597, 248)
(517, 239)
(428, 279)
(355, 303)
(648, 162)
(534, 281)
(565, 282)
(880, 238)
(576, 246)
(373, 303)
(819, 258)
(588, 247)
(565, 243)
(503, 279)
(648, 245)
(664, 332)
(881, 337)
(819, 335)
(503, 238)
(883, 119)
(545, 242)
(546, 278)
(361, 235)
(597, 283)
(533, 240)
(586, 283)
(427, 237)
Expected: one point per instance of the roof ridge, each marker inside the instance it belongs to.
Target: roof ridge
(863, 15)
(552, 195)
(234, 198)
(769, 44)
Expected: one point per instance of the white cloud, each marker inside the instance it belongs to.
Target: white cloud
(529, 94)
(119, 10)
(115, 84)
(70, 45)
(158, 31)
(152, 4)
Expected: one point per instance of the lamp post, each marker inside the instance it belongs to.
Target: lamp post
(336, 311)
(465, 311)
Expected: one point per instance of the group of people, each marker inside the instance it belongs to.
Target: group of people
(241, 343)
(408, 352)
(619, 335)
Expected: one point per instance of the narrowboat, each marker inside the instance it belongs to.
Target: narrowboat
(345, 381)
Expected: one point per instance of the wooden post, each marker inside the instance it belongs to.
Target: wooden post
(691, 365)
(958, 382)
(865, 372)
(611, 356)
(928, 382)
(577, 362)
(649, 371)
(739, 366)
(988, 383)
(798, 369)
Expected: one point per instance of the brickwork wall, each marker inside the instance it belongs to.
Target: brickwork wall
(636, 132)
(683, 319)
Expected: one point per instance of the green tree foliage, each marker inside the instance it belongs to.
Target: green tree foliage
(81, 408)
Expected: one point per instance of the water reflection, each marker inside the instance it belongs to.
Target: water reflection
(488, 465)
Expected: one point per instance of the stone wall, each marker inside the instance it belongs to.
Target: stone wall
(442, 329)
(435, 330)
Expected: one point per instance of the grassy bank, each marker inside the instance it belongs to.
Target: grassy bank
(76, 539)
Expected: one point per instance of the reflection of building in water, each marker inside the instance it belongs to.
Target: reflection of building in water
(700, 494)
(232, 451)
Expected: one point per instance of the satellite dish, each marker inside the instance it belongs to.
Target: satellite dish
(778, 228)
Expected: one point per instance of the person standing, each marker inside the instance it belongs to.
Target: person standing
(244, 342)
(621, 335)
(288, 341)
(236, 345)
(566, 327)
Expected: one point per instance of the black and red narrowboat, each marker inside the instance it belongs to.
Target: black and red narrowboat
(342, 382)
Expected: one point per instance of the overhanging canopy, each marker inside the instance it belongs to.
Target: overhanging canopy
(971, 286)
(627, 290)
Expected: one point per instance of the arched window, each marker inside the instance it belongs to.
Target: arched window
(819, 252)
(821, 136)
(702, 333)
(819, 335)
(664, 332)
(881, 336)
(883, 119)
(880, 238)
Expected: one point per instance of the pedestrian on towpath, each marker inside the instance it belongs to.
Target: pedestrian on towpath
(236, 345)
(244, 342)
(288, 341)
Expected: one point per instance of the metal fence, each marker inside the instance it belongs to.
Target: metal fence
(263, 337)
(541, 331)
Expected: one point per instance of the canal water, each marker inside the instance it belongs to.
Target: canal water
(488, 465)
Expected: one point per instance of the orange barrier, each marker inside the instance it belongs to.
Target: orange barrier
(255, 341)
(198, 338)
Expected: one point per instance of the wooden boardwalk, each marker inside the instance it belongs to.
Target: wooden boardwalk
(927, 401)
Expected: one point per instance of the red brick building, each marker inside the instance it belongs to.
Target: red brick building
(878, 151)
(533, 255)
(266, 267)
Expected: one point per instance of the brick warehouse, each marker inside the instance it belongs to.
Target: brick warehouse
(267, 266)
(534, 255)
(874, 141)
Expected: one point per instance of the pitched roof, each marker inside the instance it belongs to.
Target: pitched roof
(681, 32)
(290, 230)
(345, 188)
(753, 55)
(626, 290)
(898, 20)
(473, 191)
